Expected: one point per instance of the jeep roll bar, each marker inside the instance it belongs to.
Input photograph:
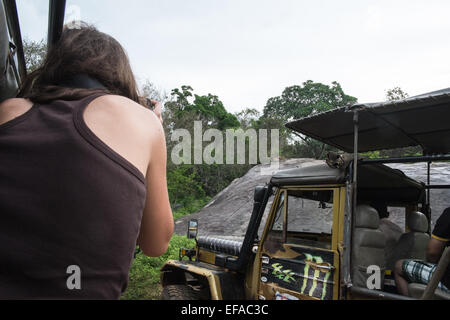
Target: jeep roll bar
(55, 27)
(14, 31)
(259, 206)
(437, 275)
(56, 12)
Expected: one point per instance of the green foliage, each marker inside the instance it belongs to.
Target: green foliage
(182, 185)
(371, 154)
(206, 108)
(301, 101)
(144, 277)
(248, 118)
(213, 111)
(401, 152)
(396, 93)
(192, 206)
(307, 148)
(180, 112)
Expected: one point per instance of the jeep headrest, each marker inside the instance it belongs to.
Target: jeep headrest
(417, 222)
(366, 217)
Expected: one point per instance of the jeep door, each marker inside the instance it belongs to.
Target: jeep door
(298, 256)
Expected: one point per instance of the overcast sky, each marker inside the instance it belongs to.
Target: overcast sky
(247, 51)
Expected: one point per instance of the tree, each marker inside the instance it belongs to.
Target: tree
(180, 112)
(206, 108)
(396, 93)
(248, 117)
(301, 101)
(297, 102)
(34, 53)
(182, 186)
(150, 91)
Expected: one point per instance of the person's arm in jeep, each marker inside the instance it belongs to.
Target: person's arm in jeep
(157, 220)
(435, 248)
(439, 237)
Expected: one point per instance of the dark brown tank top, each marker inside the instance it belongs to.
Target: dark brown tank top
(70, 207)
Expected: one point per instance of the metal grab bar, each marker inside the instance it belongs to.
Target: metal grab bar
(437, 275)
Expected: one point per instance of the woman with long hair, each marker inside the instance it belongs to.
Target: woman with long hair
(82, 174)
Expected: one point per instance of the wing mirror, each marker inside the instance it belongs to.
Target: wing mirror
(260, 191)
(192, 229)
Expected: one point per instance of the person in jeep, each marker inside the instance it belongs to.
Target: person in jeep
(418, 271)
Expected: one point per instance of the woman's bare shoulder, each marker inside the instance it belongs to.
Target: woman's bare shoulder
(125, 126)
(15, 103)
(12, 108)
(126, 110)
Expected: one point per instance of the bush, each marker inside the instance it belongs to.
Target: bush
(182, 186)
(144, 277)
(191, 207)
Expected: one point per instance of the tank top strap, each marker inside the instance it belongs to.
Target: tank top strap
(95, 141)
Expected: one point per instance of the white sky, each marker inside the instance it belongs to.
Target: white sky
(246, 51)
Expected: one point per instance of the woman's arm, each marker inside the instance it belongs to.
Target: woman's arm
(157, 221)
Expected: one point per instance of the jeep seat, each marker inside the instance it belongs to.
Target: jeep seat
(368, 246)
(413, 244)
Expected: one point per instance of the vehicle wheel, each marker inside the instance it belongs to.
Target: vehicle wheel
(180, 292)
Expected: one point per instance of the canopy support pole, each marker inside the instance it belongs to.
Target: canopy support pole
(437, 275)
(432, 158)
(14, 29)
(428, 206)
(55, 21)
(355, 153)
(428, 181)
(354, 184)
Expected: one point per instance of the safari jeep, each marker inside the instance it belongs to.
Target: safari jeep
(322, 238)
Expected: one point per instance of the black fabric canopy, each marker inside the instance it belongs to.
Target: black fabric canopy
(369, 176)
(422, 120)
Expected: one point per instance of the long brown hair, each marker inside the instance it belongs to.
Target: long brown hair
(81, 50)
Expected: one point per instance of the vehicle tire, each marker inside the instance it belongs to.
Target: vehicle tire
(180, 292)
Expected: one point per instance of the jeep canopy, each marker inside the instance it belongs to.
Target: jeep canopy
(421, 120)
(376, 182)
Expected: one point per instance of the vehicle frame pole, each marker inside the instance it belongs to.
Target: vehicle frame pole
(355, 157)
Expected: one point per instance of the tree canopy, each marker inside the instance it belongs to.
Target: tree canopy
(297, 101)
(396, 93)
(207, 108)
